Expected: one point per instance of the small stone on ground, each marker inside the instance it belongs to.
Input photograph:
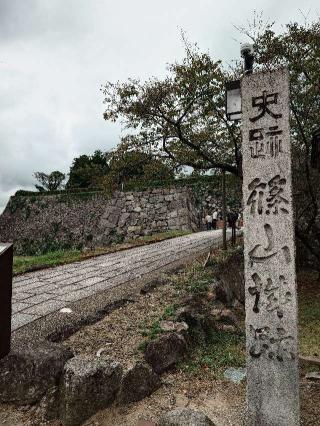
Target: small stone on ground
(235, 375)
(185, 417)
(314, 376)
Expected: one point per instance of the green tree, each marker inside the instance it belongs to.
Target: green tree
(49, 182)
(87, 171)
(298, 49)
(181, 117)
(129, 165)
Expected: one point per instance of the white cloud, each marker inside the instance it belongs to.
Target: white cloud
(55, 54)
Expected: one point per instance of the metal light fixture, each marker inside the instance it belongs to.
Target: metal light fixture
(233, 88)
(233, 100)
(246, 51)
(315, 150)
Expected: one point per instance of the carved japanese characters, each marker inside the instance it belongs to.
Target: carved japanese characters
(265, 142)
(268, 197)
(271, 294)
(272, 344)
(271, 301)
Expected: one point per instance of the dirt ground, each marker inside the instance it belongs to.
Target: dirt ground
(120, 333)
(223, 402)
(121, 336)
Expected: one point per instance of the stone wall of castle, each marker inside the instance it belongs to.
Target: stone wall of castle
(40, 223)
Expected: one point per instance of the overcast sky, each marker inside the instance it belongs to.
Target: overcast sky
(55, 54)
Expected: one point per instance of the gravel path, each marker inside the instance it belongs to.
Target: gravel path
(40, 293)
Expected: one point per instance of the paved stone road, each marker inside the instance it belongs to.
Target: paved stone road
(40, 293)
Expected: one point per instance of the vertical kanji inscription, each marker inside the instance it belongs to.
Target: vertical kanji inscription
(271, 299)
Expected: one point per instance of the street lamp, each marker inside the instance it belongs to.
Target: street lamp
(233, 88)
(247, 54)
(233, 100)
(234, 112)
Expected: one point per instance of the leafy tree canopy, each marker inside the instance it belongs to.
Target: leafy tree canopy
(182, 117)
(49, 182)
(128, 165)
(298, 49)
(87, 171)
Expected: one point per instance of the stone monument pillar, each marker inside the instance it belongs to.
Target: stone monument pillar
(271, 297)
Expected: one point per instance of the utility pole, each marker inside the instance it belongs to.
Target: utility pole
(224, 231)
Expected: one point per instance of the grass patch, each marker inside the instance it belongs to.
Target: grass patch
(309, 313)
(195, 279)
(221, 258)
(28, 263)
(224, 349)
(152, 332)
(23, 264)
(221, 351)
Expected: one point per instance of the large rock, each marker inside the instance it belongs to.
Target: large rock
(28, 372)
(89, 384)
(123, 219)
(230, 274)
(196, 313)
(185, 417)
(165, 351)
(137, 383)
(49, 405)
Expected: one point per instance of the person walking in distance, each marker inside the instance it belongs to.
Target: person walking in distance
(214, 219)
(209, 222)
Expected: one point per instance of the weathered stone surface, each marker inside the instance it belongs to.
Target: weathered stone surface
(28, 373)
(196, 312)
(73, 282)
(97, 220)
(227, 328)
(185, 417)
(149, 286)
(49, 406)
(165, 351)
(181, 401)
(313, 376)
(179, 327)
(89, 384)
(137, 383)
(308, 360)
(134, 229)
(230, 286)
(228, 317)
(235, 375)
(271, 303)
